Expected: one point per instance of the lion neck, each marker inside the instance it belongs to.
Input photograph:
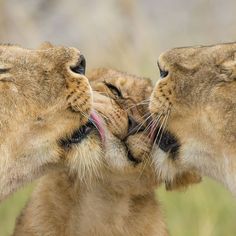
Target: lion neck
(216, 163)
(224, 171)
(212, 153)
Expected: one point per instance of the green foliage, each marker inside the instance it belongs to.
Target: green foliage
(10, 209)
(206, 209)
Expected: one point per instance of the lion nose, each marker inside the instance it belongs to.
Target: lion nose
(80, 67)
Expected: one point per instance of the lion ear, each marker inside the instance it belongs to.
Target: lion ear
(228, 69)
(45, 45)
(183, 180)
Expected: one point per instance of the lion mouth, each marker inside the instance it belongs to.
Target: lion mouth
(165, 140)
(168, 143)
(132, 158)
(94, 123)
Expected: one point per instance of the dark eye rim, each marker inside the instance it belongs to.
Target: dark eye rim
(163, 73)
(115, 91)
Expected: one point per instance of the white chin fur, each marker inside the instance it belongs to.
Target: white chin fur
(164, 166)
(196, 157)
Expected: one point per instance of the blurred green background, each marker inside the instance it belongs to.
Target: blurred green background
(129, 35)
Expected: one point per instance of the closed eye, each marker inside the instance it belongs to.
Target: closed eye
(114, 90)
(163, 73)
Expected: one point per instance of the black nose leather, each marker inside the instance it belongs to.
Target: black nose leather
(163, 73)
(80, 67)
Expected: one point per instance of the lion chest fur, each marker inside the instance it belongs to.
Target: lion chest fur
(96, 210)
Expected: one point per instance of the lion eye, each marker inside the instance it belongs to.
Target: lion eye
(163, 73)
(114, 89)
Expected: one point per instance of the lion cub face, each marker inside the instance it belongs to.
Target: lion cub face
(44, 96)
(194, 102)
(119, 155)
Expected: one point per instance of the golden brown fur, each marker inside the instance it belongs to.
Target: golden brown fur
(198, 96)
(115, 196)
(41, 101)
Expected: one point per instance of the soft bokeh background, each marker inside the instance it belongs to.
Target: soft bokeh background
(129, 35)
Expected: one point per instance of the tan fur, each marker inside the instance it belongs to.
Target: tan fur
(115, 196)
(37, 110)
(199, 92)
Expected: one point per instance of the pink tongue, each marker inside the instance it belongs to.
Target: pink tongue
(98, 122)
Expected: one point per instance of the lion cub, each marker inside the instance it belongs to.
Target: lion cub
(44, 97)
(109, 191)
(196, 97)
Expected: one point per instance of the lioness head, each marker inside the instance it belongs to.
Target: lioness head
(195, 101)
(117, 155)
(44, 98)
